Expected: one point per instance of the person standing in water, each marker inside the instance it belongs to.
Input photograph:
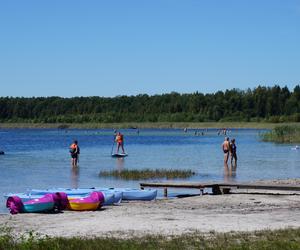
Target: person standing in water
(120, 142)
(233, 156)
(74, 151)
(225, 148)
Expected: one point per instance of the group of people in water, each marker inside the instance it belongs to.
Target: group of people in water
(228, 147)
(75, 150)
(229, 150)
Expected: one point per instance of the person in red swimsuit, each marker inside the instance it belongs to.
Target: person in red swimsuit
(120, 142)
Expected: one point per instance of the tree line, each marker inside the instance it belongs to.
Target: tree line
(272, 104)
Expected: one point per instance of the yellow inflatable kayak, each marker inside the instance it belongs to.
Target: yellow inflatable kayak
(89, 203)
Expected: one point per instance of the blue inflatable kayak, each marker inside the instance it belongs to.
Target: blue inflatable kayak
(110, 197)
(120, 193)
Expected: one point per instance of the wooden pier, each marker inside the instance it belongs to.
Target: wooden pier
(218, 188)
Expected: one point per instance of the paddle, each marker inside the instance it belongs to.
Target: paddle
(112, 148)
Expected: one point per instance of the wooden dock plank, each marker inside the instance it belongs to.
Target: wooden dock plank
(219, 188)
(166, 185)
(260, 186)
(177, 184)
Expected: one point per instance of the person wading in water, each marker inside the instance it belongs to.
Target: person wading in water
(225, 148)
(233, 156)
(74, 151)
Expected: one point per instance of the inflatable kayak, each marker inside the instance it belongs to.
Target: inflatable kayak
(21, 202)
(127, 193)
(110, 196)
(136, 194)
(42, 204)
(89, 203)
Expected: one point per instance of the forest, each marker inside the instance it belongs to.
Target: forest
(267, 104)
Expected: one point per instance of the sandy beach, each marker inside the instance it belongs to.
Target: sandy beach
(243, 211)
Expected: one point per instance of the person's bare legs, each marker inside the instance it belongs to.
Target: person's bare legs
(74, 161)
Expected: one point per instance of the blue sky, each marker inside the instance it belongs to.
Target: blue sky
(128, 47)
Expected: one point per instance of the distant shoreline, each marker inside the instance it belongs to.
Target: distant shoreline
(135, 125)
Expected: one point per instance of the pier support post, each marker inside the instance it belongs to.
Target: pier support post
(216, 190)
(225, 190)
(165, 192)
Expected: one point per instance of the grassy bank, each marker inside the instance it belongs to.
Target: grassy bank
(279, 239)
(283, 134)
(136, 174)
(191, 125)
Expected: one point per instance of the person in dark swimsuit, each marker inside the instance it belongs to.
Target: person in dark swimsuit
(225, 148)
(233, 156)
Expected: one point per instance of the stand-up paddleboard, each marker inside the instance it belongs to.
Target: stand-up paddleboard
(119, 155)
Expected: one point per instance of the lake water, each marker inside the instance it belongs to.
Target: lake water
(39, 158)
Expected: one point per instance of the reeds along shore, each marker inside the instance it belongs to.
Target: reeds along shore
(136, 174)
(283, 134)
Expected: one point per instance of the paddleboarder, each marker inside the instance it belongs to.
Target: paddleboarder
(120, 142)
(74, 151)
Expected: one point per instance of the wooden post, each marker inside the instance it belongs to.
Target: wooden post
(165, 192)
(216, 190)
(225, 190)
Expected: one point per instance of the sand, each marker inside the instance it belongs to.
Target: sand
(221, 213)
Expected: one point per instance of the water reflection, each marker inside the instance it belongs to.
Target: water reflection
(229, 173)
(120, 163)
(74, 176)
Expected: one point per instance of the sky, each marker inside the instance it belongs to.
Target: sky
(128, 47)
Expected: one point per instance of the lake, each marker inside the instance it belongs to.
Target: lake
(39, 158)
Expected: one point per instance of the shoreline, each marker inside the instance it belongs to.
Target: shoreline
(144, 125)
(240, 211)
